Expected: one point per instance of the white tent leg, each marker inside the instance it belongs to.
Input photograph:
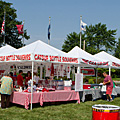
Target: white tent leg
(57, 71)
(78, 69)
(109, 70)
(41, 68)
(96, 74)
(32, 84)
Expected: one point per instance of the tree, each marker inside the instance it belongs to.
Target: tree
(99, 38)
(72, 40)
(117, 49)
(11, 35)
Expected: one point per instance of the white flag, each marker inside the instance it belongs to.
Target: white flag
(83, 25)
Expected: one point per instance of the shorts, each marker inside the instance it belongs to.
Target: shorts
(109, 90)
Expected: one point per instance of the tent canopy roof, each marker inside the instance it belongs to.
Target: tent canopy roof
(107, 57)
(6, 49)
(39, 47)
(79, 53)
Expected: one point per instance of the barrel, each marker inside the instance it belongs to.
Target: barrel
(60, 85)
(105, 112)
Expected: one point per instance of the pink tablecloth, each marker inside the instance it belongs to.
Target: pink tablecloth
(24, 98)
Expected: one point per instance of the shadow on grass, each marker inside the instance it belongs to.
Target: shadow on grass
(45, 104)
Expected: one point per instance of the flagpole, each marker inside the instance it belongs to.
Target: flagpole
(4, 27)
(23, 31)
(49, 38)
(80, 30)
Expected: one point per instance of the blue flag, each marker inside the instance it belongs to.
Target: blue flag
(49, 32)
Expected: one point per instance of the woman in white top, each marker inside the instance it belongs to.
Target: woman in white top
(36, 78)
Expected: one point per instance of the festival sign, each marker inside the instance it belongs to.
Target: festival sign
(115, 64)
(39, 57)
(88, 71)
(2, 58)
(18, 57)
(94, 63)
(55, 58)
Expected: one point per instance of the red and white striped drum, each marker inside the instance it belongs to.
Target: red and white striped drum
(105, 112)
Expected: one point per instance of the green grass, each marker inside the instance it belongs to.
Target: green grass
(116, 79)
(69, 111)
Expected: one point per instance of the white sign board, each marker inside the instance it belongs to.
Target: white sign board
(79, 82)
(25, 68)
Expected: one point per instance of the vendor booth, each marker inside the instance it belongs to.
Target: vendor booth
(88, 60)
(54, 63)
(42, 55)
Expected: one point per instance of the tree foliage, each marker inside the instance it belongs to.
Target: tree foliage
(117, 49)
(72, 40)
(97, 38)
(11, 35)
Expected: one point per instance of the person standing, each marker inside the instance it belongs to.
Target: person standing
(6, 90)
(28, 77)
(109, 84)
(36, 78)
(20, 79)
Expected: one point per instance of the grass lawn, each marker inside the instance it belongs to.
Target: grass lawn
(116, 79)
(69, 111)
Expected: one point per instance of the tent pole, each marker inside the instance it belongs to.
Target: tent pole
(109, 70)
(96, 74)
(41, 68)
(78, 69)
(32, 84)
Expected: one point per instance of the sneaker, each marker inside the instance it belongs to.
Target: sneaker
(107, 99)
(111, 100)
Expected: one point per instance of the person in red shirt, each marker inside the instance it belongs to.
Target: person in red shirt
(109, 84)
(28, 77)
(20, 79)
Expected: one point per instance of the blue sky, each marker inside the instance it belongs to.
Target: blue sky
(65, 17)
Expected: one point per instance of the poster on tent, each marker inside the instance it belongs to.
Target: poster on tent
(60, 70)
(48, 71)
(79, 82)
(26, 68)
(88, 71)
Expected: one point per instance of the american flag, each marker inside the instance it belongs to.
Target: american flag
(2, 29)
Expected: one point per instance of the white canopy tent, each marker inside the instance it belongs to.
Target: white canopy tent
(113, 61)
(41, 52)
(86, 59)
(37, 52)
